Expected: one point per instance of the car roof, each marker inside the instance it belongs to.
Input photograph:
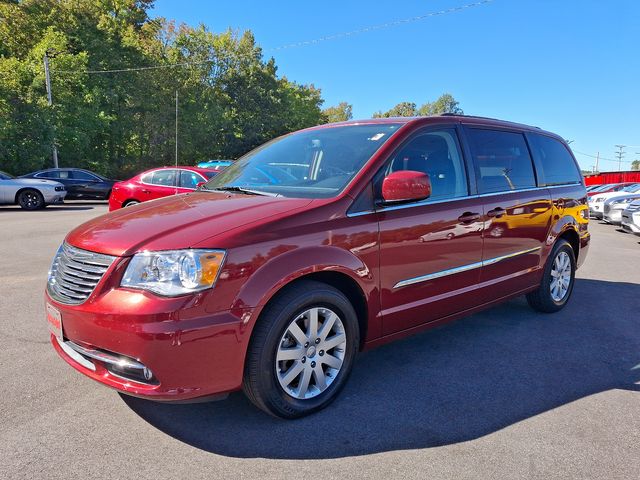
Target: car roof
(444, 119)
(181, 167)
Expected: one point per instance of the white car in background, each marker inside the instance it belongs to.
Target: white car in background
(596, 202)
(631, 217)
(30, 193)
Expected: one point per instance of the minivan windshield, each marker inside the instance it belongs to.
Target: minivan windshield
(307, 164)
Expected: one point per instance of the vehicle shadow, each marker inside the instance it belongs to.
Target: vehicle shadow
(448, 385)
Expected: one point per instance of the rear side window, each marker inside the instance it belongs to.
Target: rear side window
(49, 174)
(80, 175)
(555, 163)
(164, 177)
(501, 159)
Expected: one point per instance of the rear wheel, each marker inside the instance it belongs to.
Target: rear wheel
(557, 281)
(31, 199)
(302, 350)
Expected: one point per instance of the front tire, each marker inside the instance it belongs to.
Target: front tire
(302, 350)
(557, 281)
(31, 199)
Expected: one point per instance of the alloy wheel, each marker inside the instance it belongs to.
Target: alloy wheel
(310, 353)
(560, 276)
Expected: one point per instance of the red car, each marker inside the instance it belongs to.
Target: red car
(313, 247)
(158, 183)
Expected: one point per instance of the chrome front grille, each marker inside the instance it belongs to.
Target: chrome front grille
(75, 273)
(606, 208)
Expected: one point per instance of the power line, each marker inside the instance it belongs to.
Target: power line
(305, 43)
(601, 158)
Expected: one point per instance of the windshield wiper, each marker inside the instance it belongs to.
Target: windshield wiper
(246, 191)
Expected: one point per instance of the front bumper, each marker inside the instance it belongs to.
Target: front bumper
(191, 353)
(631, 223)
(613, 215)
(54, 197)
(595, 210)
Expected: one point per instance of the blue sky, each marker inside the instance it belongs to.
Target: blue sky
(572, 67)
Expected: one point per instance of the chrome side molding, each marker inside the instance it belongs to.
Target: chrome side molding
(462, 268)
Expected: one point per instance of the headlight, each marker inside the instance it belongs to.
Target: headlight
(174, 272)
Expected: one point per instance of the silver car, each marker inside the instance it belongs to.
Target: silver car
(30, 193)
(631, 217)
(613, 207)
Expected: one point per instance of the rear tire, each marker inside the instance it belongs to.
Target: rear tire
(302, 350)
(557, 281)
(31, 199)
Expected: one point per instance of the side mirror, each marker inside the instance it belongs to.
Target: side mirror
(406, 185)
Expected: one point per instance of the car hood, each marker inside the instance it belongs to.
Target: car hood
(611, 195)
(34, 182)
(176, 222)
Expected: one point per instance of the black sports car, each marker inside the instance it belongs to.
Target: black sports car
(80, 184)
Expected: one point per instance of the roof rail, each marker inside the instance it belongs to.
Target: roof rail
(448, 114)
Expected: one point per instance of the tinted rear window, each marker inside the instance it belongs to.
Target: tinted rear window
(501, 159)
(555, 164)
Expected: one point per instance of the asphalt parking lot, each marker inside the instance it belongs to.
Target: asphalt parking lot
(507, 393)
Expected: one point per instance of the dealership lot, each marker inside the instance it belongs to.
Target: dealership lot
(507, 393)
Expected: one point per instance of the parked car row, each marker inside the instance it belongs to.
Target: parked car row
(617, 204)
(36, 190)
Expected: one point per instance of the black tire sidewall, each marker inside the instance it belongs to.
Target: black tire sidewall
(273, 394)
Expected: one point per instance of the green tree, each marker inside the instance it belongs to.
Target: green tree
(231, 99)
(338, 113)
(635, 165)
(444, 104)
(403, 109)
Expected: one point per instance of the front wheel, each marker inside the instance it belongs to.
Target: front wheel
(302, 350)
(557, 281)
(31, 199)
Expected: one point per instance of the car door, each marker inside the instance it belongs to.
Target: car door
(163, 183)
(517, 213)
(189, 181)
(430, 251)
(87, 185)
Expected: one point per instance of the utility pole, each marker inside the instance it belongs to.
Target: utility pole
(597, 161)
(176, 128)
(50, 100)
(620, 155)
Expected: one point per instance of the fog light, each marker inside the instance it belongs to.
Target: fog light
(148, 374)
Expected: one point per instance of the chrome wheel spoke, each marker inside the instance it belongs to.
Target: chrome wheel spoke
(334, 341)
(327, 326)
(304, 383)
(331, 361)
(295, 353)
(560, 277)
(297, 333)
(312, 331)
(319, 378)
(292, 373)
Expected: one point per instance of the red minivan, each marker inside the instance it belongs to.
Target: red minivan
(157, 183)
(317, 245)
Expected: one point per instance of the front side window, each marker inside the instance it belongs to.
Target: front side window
(554, 161)
(165, 178)
(308, 164)
(437, 154)
(189, 179)
(501, 159)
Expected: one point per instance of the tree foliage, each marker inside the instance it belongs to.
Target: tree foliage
(338, 113)
(444, 104)
(230, 98)
(635, 165)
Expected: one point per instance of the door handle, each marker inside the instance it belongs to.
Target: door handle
(469, 217)
(145, 191)
(496, 212)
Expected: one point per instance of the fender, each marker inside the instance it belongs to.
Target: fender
(279, 271)
(562, 225)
